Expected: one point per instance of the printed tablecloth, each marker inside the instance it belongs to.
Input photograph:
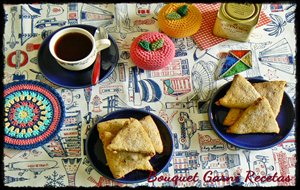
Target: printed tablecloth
(198, 151)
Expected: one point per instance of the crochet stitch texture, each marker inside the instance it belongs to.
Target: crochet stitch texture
(33, 114)
(179, 28)
(156, 59)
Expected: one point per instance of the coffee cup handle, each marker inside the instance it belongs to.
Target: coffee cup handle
(102, 44)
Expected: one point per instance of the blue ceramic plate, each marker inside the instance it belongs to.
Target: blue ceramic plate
(285, 121)
(95, 152)
(75, 79)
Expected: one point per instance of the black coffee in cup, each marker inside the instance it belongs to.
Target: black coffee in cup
(73, 46)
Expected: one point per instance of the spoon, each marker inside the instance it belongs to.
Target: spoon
(102, 42)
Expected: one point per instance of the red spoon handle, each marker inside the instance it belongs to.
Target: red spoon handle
(96, 69)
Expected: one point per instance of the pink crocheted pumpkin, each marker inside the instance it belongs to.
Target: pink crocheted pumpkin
(152, 59)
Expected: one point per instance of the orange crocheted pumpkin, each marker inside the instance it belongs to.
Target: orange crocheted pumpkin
(183, 27)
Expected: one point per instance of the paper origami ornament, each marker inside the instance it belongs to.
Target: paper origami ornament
(234, 62)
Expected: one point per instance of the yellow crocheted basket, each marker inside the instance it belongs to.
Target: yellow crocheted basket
(183, 27)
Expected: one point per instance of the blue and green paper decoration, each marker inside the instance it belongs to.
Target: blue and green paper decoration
(236, 61)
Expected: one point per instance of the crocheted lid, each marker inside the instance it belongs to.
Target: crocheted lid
(178, 26)
(33, 114)
(152, 50)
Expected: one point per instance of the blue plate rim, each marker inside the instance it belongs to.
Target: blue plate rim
(79, 86)
(129, 110)
(220, 134)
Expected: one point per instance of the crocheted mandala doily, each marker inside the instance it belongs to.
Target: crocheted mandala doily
(33, 114)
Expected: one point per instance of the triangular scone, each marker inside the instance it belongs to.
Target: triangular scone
(113, 126)
(257, 118)
(133, 138)
(120, 163)
(273, 91)
(153, 132)
(241, 94)
(232, 116)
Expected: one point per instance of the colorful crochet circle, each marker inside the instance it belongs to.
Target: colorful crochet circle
(33, 114)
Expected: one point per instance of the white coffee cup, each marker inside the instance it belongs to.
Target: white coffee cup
(83, 63)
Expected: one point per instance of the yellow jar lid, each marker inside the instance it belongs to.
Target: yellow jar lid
(240, 11)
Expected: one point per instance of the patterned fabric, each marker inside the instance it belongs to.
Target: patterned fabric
(184, 27)
(179, 93)
(152, 60)
(204, 37)
(33, 114)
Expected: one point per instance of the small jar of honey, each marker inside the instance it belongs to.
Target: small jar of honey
(235, 21)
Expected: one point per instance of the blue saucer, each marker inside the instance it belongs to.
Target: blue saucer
(285, 120)
(75, 79)
(160, 162)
